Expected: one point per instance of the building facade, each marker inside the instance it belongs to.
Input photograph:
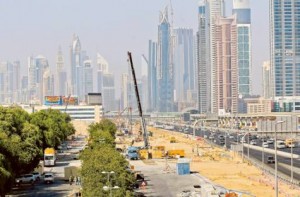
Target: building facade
(226, 70)
(285, 48)
(184, 67)
(76, 68)
(165, 75)
(152, 76)
(203, 58)
(241, 8)
(267, 81)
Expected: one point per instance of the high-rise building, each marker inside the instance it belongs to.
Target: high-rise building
(76, 68)
(203, 58)
(184, 67)
(61, 75)
(16, 83)
(165, 78)
(108, 92)
(152, 76)
(267, 81)
(124, 91)
(36, 68)
(216, 9)
(285, 48)
(144, 83)
(88, 77)
(24, 97)
(226, 92)
(6, 83)
(243, 13)
(48, 84)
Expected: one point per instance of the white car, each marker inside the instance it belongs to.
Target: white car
(270, 141)
(48, 177)
(253, 142)
(25, 178)
(265, 145)
(37, 176)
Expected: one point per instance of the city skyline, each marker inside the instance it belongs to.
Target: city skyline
(29, 41)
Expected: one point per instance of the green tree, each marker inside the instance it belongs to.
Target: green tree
(102, 156)
(53, 125)
(19, 145)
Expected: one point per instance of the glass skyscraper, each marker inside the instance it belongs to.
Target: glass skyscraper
(165, 102)
(285, 47)
(243, 15)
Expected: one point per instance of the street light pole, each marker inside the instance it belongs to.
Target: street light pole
(276, 160)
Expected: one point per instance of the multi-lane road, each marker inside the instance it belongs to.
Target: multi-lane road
(256, 153)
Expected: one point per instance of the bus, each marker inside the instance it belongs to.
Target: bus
(49, 157)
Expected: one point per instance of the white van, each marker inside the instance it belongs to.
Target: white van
(280, 144)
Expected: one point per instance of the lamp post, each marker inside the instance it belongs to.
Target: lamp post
(110, 187)
(276, 164)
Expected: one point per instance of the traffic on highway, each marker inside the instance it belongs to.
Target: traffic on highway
(259, 149)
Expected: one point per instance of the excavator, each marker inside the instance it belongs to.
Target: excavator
(143, 123)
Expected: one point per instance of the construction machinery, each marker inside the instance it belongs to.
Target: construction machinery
(143, 124)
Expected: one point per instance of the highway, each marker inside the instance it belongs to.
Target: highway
(284, 163)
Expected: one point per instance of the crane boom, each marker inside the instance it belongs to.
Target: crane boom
(145, 133)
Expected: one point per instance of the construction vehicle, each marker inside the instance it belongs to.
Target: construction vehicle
(143, 124)
(173, 140)
(175, 153)
(290, 143)
(158, 152)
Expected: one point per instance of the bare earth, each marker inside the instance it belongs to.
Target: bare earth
(222, 167)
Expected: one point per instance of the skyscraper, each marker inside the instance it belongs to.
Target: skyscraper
(144, 83)
(165, 73)
(152, 76)
(36, 68)
(76, 68)
(16, 81)
(203, 58)
(216, 10)
(108, 92)
(243, 13)
(267, 81)
(61, 75)
(184, 67)
(124, 91)
(226, 92)
(285, 47)
(88, 77)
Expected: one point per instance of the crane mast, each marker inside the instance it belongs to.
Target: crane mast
(145, 133)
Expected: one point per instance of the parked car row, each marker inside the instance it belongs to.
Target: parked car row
(34, 177)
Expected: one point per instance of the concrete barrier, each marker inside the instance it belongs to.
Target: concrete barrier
(272, 151)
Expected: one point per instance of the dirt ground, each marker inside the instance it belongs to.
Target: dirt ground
(222, 167)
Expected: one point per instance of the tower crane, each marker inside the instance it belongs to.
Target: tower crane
(144, 131)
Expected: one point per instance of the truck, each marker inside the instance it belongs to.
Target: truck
(71, 171)
(280, 144)
(49, 157)
(290, 143)
(132, 153)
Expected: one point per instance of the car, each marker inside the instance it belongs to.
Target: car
(25, 178)
(76, 156)
(265, 145)
(253, 142)
(48, 177)
(270, 141)
(221, 137)
(205, 136)
(211, 137)
(231, 136)
(270, 159)
(37, 176)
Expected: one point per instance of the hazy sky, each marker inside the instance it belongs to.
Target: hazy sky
(110, 27)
